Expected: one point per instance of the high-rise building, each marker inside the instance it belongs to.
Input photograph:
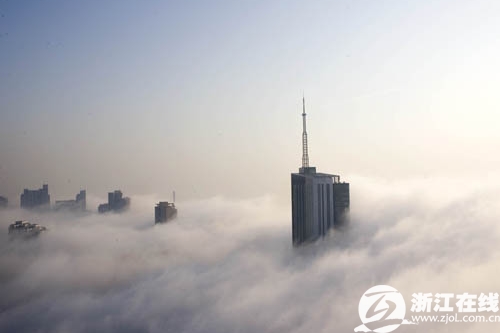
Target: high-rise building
(82, 199)
(116, 202)
(165, 211)
(79, 204)
(341, 201)
(319, 200)
(36, 198)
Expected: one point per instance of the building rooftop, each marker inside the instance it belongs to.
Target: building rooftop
(336, 178)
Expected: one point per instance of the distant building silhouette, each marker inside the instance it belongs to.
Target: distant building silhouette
(79, 204)
(165, 211)
(116, 202)
(36, 198)
(4, 202)
(319, 200)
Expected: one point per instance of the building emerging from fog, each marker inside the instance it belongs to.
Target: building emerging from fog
(116, 202)
(4, 202)
(165, 211)
(25, 229)
(79, 204)
(36, 198)
(319, 200)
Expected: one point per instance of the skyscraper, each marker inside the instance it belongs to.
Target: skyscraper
(165, 211)
(319, 200)
(36, 198)
(79, 204)
(116, 203)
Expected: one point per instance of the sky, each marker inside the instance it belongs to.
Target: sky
(205, 97)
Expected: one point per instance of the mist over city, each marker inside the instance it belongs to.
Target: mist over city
(259, 166)
(228, 265)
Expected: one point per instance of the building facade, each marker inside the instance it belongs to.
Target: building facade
(342, 203)
(36, 198)
(165, 211)
(79, 204)
(319, 200)
(116, 202)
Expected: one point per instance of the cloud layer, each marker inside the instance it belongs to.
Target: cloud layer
(228, 265)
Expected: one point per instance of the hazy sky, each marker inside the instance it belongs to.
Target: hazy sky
(205, 96)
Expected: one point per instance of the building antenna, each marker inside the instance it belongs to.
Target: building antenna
(305, 154)
(173, 195)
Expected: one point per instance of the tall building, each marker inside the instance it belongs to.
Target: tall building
(319, 200)
(165, 211)
(36, 198)
(341, 201)
(79, 204)
(116, 202)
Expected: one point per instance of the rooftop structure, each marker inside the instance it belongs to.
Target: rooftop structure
(36, 198)
(25, 229)
(319, 200)
(79, 204)
(116, 202)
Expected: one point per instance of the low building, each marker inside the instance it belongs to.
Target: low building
(25, 229)
(79, 204)
(36, 198)
(165, 211)
(116, 203)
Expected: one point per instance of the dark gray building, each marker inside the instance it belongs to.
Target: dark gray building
(165, 211)
(116, 202)
(319, 200)
(36, 198)
(79, 204)
(341, 201)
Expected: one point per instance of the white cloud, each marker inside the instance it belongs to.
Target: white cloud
(228, 265)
